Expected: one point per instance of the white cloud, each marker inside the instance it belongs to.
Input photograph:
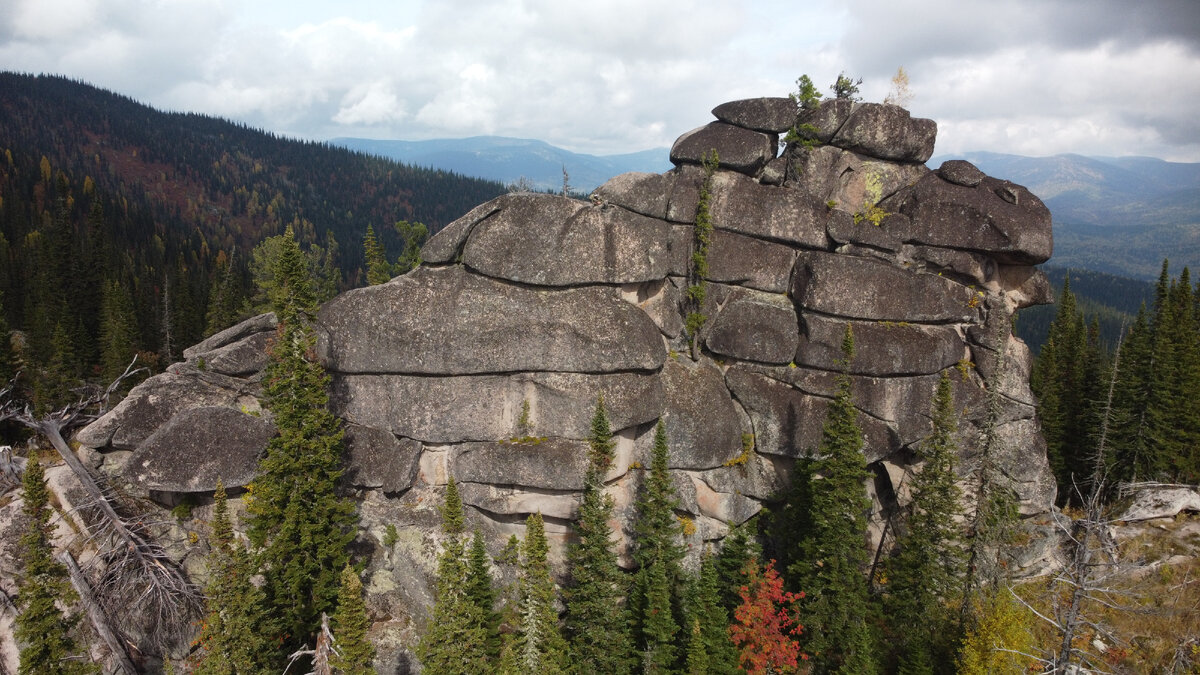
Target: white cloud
(623, 75)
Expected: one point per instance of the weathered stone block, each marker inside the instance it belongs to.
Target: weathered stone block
(742, 205)
(487, 407)
(753, 263)
(699, 415)
(771, 115)
(788, 422)
(447, 321)
(445, 246)
(738, 149)
(996, 217)
(197, 447)
(755, 327)
(263, 323)
(376, 459)
(644, 193)
(887, 132)
(594, 245)
(152, 403)
(881, 348)
(549, 463)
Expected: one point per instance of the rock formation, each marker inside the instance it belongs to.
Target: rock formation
(548, 301)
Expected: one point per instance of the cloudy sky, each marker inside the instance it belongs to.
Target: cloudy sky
(1033, 77)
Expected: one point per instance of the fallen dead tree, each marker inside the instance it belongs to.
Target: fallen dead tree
(137, 584)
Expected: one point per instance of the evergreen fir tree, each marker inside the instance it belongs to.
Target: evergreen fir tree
(455, 640)
(481, 593)
(1132, 459)
(375, 258)
(52, 389)
(233, 637)
(118, 331)
(540, 646)
(6, 356)
(414, 235)
(737, 549)
(301, 525)
(596, 620)
(926, 570)
(41, 628)
(708, 637)
(829, 558)
(658, 556)
(225, 297)
(355, 654)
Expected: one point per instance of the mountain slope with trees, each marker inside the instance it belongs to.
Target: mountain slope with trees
(124, 229)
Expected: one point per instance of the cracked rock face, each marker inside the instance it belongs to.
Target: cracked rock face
(486, 362)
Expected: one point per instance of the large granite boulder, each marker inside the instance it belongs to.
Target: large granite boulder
(993, 216)
(452, 322)
(486, 363)
(738, 149)
(198, 447)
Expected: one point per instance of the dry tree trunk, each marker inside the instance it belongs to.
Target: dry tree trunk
(140, 583)
(97, 616)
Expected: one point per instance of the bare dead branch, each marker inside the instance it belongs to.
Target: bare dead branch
(96, 615)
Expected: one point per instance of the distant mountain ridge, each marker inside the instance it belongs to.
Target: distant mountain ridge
(508, 160)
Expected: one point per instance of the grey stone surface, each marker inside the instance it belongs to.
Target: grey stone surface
(858, 288)
(699, 415)
(787, 422)
(644, 193)
(738, 149)
(887, 132)
(772, 115)
(511, 501)
(881, 348)
(239, 359)
(537, 462)
(996, 217)
(737, 259)
(827, 118)
(450, 322)
(487, 407)
(742, 205)
(445, 246)
(964, 266)
(853, 182)
(263, 323)
(960, 172)
(1162, 502)
(152, 403)
(864, 233)
(755, 327)
(593, 245)
(377, 459)
(197, 447)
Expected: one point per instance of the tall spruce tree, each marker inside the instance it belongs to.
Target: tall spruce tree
(926, 571)
(300, 524)
(540, 646)
(1131, 459)
(42, 630)
(707, 624)
(482, 594)
(118, 330)
(596, 621)
(355, 653)
(455, 640)
(658, 554)
(829, 556)
(375, 258)
(232, 638)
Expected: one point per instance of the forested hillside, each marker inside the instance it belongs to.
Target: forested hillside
(117, 220)
(1113, 301)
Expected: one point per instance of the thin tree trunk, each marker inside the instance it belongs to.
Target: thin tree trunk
(96, 615)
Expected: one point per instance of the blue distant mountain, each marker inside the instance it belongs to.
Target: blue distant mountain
(508, 160)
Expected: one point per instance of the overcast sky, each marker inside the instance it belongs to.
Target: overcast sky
(1032, 77)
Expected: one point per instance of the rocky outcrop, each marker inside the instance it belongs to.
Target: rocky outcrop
(486, 362)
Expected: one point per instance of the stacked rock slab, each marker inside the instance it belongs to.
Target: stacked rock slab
(541, 303)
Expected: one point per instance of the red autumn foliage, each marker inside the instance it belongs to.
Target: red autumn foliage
(762, 626)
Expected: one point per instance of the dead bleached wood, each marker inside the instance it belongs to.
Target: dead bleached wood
(96, 615)
(140, 584)
(321, 654)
